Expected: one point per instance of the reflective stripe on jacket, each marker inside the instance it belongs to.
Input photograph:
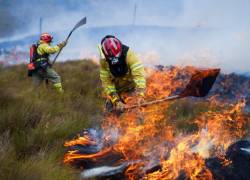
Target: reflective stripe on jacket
(135, 78)
(45, 48)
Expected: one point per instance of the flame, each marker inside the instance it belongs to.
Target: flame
(72, 155)
(85, 140)
(147, 137)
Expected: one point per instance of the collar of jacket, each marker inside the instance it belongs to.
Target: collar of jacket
(43, 42)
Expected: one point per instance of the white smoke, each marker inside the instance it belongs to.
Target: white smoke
(103, 171)
(246, 149)
(202, 33)
(205, 144)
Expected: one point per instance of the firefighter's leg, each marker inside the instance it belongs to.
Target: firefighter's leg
(52, 75)
(37, 79)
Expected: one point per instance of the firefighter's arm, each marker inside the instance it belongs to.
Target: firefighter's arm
(137, 71)
(106, 79)
(46, 48)
(107, 84)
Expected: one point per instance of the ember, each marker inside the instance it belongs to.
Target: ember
(146, 143)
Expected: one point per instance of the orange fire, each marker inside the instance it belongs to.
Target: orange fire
(147, 136)
(80, 140)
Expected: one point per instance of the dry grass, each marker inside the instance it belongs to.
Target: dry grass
(35, 122)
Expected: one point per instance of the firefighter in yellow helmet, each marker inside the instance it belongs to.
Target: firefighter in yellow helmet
(43, 69)
(120, 71)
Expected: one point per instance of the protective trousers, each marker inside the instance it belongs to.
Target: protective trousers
(48, 73)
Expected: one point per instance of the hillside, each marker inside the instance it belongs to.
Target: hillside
(35, 123)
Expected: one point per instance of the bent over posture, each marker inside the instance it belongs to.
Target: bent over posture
(43, 69)
(121, 71)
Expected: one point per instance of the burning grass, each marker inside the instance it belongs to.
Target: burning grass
(163, 141)
(160, 141)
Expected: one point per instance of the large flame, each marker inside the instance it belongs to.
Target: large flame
(155, 148)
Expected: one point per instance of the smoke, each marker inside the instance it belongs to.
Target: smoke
(246, 149)
(205, 33)
(205, 145)
(103, 171)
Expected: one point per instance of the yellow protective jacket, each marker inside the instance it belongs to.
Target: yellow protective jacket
(134, 79)
(46, 48)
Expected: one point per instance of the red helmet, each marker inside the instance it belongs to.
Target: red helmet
(46, 37)
(111, 46)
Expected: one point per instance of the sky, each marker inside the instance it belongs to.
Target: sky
(181, 13)
(206, 32)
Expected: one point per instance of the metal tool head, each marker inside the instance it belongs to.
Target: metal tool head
(200, 83)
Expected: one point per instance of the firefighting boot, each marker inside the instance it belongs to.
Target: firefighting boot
(58, 87)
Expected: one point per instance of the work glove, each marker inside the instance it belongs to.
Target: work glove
(120, 106)
(117, 103)
(114, 98)
(62, 44)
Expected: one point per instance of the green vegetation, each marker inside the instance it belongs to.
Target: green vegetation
(34, 123)
(182, 112)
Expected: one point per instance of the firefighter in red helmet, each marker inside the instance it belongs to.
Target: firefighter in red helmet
(121, 71)
(43, 69)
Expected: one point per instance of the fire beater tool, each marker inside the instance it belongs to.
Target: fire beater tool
(79, 24)
(199, 86)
